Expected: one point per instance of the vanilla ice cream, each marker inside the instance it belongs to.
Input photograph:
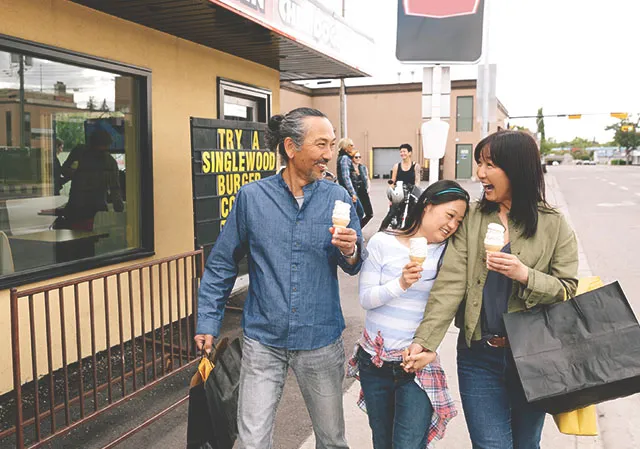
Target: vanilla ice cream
(494, 240)
(418, 249)
(341, 214)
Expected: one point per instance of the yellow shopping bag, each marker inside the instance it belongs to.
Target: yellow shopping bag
(580, 422)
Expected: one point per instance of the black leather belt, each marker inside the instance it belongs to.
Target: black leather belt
(497, 342)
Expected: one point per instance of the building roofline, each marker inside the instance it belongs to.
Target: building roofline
(370, 89)
(502, 108)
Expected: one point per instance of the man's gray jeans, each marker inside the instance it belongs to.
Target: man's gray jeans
(320, 373)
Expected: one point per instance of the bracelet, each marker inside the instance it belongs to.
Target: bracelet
(352, 256)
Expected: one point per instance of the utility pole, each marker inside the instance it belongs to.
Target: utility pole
(21, 75)
(343, 97)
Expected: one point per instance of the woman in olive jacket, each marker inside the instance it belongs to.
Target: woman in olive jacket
(538, 264)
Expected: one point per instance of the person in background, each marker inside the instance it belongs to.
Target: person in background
(362, 185)
(292, 316)
(537, 264)
(406, 171)
(59, 179)
(94, 183)
(347, 172)
(404, 410)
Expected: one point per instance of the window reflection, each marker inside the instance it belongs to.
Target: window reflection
(69, 162)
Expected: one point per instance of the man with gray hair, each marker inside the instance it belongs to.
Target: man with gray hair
(292, 315)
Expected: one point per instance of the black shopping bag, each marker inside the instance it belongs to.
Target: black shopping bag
(580, 352)
(213, 399)
(221, 389)
(199, 430)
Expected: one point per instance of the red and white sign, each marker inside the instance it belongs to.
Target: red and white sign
(440, 9)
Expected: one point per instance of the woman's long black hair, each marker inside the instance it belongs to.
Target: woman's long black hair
(516, 153)
(439, 192)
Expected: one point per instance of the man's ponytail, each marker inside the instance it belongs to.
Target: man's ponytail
(288, 125)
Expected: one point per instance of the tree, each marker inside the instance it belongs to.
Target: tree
(105, 106)
(626, 136)
(581, 154)
(546, 146)
(91, 104)
(540, 123)
(71, 131)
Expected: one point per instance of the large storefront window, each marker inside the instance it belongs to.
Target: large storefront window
(72, 150)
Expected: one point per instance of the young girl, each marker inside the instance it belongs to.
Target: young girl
(406, 410)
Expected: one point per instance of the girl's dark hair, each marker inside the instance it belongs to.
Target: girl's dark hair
(516, 153)
(290, 125)
(439, 192)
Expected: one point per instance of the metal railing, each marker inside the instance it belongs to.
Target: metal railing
(82, 346)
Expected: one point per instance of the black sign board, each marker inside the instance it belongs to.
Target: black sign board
(434, 31)
(226, 154)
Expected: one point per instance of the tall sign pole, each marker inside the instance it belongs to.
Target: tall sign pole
(436, 100)
(485, 70)
(441, 33)
(343, 95)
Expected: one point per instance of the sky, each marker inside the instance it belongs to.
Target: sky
(42, 75)
(567, 56)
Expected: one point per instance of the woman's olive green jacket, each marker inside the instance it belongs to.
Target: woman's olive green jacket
(551, 255)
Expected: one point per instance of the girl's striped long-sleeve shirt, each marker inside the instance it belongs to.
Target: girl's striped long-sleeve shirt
(392, 311)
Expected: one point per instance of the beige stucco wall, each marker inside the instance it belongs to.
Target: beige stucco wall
(183, 85)
(291, 100)
(391, 119)
(472, 137)
(373, 120)
(458, 138)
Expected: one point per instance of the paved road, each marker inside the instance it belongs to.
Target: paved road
(604, 203)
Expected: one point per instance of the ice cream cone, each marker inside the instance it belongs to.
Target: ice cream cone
(340, 222)
(494, 239)
(418, 248)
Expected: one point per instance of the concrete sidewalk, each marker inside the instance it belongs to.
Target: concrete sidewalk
(457, 437)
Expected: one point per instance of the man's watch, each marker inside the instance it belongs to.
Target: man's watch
(352, 256)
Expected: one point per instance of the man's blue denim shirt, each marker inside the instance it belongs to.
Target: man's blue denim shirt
(293, 300)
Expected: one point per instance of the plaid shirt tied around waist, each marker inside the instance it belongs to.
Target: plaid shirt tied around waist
(431, 379)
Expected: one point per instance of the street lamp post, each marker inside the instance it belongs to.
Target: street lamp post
(21, 106)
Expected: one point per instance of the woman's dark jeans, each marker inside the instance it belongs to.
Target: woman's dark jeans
(399, 410)
(497, 413)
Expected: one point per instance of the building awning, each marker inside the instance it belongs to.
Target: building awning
(299, 38)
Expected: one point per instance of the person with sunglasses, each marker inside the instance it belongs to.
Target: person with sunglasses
(347, 173)
(405, 410)
(363, 187)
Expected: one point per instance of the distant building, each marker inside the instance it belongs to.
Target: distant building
(604, 155)
(382, 117)
(40, 108)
